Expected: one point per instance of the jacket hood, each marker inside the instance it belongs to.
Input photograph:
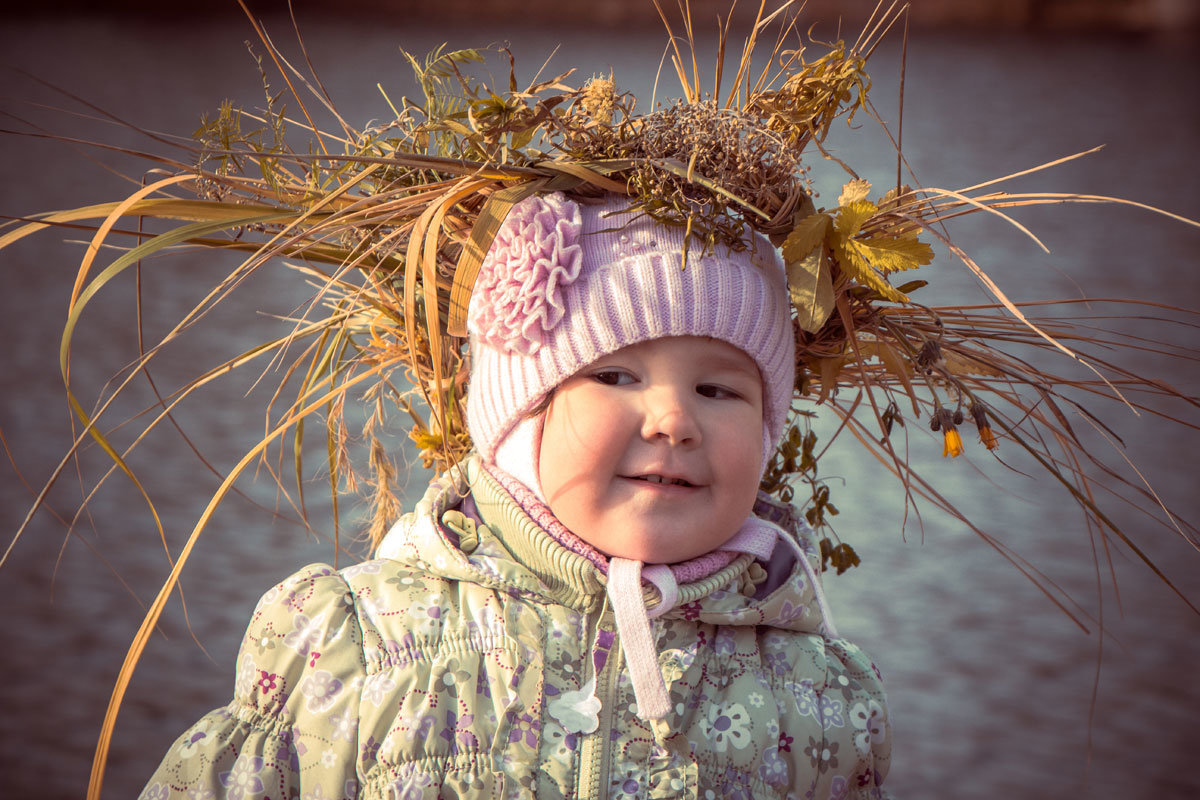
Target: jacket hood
(508, 551)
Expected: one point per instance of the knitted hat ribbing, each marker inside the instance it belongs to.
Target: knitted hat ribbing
(565, 283)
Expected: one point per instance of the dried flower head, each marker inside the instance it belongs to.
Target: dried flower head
(599, 99)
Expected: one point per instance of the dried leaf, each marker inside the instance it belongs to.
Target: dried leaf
(964, 362)
(855, 263)
(829, 369)
(495, 210)
(811, 288)
(911, 286)
(893, 255)
(850, 217)
(805, 236)
(893, 362)
(854, 191)
(888, 201)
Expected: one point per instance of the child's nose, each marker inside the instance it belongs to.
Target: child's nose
(669, 416)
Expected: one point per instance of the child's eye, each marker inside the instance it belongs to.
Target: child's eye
(612, 377)
(714, 391)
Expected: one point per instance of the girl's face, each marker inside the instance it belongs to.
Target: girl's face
(654, 453)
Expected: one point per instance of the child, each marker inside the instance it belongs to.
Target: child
(598, 602)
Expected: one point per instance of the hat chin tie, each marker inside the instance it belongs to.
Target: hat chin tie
(758, 537)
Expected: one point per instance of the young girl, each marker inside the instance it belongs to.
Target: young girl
(596, 603)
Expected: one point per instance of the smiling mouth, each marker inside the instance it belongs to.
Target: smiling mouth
(659, 479)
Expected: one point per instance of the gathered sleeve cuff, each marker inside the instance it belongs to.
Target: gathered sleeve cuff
(292, 726)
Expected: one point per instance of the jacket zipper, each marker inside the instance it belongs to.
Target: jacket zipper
(595, 748)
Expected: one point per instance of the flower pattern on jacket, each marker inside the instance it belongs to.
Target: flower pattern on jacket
(393, 681)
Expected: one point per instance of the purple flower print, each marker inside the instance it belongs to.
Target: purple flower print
(776, 662)
(481, 685)
(345, 726)
(156, 791)
(286, 754)
(561, 743)
(458, 731)
(831, 713)
(418, 727)
(377, 688)
(191, 743)
(773, 769)
(247, 674)
(524, 726)
(243, 778)
(411, 787)
(735, 785)
(321, 689)
(727, 726)
(806, 699)
(364, 568)
(373, 607)
(306, 633)
(788, 613)
(724, 643)
(426, 614)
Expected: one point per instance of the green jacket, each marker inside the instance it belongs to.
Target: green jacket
(459, 667)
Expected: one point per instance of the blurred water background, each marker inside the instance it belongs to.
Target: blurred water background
(994, 692)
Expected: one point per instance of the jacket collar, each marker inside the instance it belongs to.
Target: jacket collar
(509, 551)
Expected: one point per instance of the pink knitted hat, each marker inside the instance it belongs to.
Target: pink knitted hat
(567, 282)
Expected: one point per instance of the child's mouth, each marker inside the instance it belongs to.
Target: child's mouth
(659, 479)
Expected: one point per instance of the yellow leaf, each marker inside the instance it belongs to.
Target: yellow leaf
(850, 217)
(892, 255)
(811, 288)
(889, 199)
(805, 236)
(854, 263)
(425, 440)
(854, 191)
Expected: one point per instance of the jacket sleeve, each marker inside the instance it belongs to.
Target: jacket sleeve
(292, 727)
(835, 729)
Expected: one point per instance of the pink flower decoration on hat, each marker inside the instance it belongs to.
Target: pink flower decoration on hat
(536, 254)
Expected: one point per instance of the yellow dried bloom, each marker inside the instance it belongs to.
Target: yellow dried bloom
(953, 443)
(598, 99)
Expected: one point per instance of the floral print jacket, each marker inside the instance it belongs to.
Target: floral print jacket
(469, 665)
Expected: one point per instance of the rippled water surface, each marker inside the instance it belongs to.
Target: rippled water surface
(995, 692)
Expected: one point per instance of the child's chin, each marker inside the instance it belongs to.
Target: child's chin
(654, 550)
